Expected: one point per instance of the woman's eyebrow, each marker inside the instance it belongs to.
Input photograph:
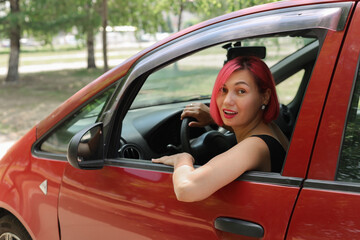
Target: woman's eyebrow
(241, 82)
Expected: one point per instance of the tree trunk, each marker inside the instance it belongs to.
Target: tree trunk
(104, 39)
(13, 70)
(91, 48)
(181, 9)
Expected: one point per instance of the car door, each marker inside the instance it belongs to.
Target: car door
(134, 199)
(328, 205)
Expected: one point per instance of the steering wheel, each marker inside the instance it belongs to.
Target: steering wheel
(209, 144)
(185, 135)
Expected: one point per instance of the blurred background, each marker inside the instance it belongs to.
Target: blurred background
(49, 49)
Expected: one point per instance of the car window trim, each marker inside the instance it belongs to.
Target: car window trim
(332, 185)
(355, 81)
(251, 176)
(288, 20)
(105, 112)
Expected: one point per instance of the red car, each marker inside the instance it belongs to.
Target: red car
(84, 172)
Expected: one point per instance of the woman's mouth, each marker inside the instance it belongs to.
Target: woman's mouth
(229, 113)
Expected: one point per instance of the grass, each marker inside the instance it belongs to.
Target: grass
(25, 103)
(36, 95)
(72, 55)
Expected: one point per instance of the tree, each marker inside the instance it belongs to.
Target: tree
(104, 38)
(206, 9)
(11, 26)
(41, 19)
(15, 34)
(240, 4)
(49, 17)
(146, 16)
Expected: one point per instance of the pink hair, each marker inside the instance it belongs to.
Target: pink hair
(263, 79)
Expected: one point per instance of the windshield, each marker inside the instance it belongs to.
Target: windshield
(192, 77)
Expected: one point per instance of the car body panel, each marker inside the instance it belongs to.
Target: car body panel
(328, 209)
(91, 198)
(20, 188)
(326, 152)
(323, 213)
(310, 113)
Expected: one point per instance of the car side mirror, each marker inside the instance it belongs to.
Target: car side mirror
(86, 148)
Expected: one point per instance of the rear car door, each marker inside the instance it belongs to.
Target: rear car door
(134, 199)
(328, 205)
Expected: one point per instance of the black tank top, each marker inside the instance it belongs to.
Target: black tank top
(277, 152)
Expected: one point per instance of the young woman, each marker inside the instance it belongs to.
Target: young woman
(243, 99)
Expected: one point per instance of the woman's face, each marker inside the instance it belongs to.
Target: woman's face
(239, 100)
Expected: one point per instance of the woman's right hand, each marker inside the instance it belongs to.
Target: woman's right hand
(200, 112)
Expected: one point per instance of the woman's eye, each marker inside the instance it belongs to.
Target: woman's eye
(241, 91)
(223, 90)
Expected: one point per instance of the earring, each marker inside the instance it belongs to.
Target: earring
(263, 107)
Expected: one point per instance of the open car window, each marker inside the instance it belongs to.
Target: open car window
(152, 126)
(192, 77)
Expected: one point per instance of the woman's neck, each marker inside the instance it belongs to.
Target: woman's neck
(256, 127)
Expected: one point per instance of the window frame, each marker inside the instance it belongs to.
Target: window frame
(213, 35)
(355, 86)
(104, 114)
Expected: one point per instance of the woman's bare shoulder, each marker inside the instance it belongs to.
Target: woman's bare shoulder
(279, 135)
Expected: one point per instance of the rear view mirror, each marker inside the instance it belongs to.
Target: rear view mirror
(86, 148)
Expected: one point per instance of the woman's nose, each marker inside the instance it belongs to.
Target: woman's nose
(229, 99)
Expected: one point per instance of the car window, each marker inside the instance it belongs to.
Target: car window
(349, 161)
(57, 142)
(189, 78)
(287, 90)
(192, 77)
(152, 126)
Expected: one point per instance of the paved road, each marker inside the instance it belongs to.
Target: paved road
(5, 144)
(58, 66)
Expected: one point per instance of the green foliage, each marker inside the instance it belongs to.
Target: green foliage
(213, 8)
(206, 9)
(144, 15)
(45, 18)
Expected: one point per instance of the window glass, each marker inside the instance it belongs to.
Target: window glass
(189, 78)
(192, 77)
(287, 90)
(58, 141)
(349, 163)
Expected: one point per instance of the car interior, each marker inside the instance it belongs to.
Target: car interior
(152, 129)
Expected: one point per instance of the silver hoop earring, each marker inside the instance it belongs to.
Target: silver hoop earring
(263, 107)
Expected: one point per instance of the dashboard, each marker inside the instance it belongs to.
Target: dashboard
(153, 131)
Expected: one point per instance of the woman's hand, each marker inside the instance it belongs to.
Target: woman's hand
(200, 112)
(175, 160)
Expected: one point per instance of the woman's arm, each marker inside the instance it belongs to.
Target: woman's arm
(192, 184)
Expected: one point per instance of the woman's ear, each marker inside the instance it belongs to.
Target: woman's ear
(266, 96)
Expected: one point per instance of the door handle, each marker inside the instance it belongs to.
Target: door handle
(241, 227)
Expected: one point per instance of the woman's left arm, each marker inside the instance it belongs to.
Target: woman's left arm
(197, 184)
(183, 167)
